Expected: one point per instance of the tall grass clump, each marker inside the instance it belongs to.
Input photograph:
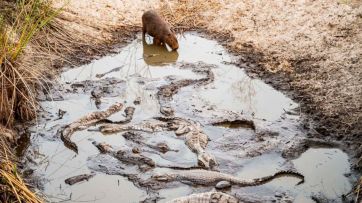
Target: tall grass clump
(20, 74)
(20, 21)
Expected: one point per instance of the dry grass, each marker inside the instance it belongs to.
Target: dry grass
(188, 15)
(356, 191)
(19, 76)
(21, 73)
(12, 187)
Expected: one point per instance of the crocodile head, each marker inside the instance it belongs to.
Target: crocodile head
(206, 160)
(162, 177)
(103, 147)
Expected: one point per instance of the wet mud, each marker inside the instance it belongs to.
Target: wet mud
(151, 125)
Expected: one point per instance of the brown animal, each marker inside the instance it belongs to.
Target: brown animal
(160, 30)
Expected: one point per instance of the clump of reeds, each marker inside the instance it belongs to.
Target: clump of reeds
(20, 74)
(20, 21)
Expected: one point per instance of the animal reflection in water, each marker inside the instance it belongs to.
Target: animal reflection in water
(154, 54)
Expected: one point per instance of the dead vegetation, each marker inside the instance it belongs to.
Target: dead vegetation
(19, 23)
(12, 186)
(20, 75)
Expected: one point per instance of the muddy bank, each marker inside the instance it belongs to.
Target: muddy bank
(252, 135)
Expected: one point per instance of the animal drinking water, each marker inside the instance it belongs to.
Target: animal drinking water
(159, 29)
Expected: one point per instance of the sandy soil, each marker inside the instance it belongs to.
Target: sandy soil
(310, 49)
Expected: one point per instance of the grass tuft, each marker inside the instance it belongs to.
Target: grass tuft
(20, 21)
(20, 74)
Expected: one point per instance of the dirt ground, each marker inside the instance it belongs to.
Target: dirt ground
(309, 49)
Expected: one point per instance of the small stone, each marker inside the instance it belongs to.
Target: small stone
(223, 185)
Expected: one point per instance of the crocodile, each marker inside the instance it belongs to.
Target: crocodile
(145, 126)
(195, 138)
(100, 75)
(138, 139)
(134, 157)
(166, 92)
(126, 156)
(238, 123)
(208, 178)
(79, 178)
(207, 197)
(129, 111)
(91, 119)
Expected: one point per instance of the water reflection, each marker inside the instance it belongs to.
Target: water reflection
(159, 55)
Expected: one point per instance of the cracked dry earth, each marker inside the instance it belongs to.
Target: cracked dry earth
(149, 125)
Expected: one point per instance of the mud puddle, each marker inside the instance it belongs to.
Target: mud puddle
(192, 110)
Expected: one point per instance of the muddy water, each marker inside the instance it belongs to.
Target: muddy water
(324, 170)
(241, 149)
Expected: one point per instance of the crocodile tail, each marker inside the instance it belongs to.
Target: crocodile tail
(68, 143)
(266, 179)
(291, 173)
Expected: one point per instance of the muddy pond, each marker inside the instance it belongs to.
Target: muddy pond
(179, 113)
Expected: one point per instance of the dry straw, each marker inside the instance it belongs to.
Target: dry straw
(20, 75)
(12, 186)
